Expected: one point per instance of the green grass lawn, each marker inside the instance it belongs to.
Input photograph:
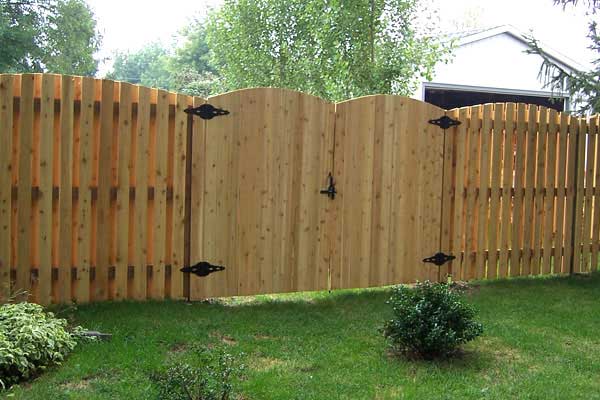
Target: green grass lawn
(541, 341)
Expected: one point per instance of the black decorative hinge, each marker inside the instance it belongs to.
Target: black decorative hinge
(444, 122)
(206, 111)
(202, 268)
(439, 259)
(330, 191)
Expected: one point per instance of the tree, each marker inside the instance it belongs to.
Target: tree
(583, 86)
(147, 66)
(335, 49)
(48, 36)
(186, 70)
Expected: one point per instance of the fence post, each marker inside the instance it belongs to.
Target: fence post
(575, 199)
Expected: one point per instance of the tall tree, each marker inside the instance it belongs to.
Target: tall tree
(48, 36)
(147, 66)
(584, 86)
(335, 49)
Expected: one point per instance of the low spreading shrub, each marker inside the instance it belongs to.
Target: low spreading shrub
(30, 340)
(429, 320)
(209, 374)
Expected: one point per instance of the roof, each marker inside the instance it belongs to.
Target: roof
(464, 38)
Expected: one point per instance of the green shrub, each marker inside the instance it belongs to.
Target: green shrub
(30, 340)
(209, 375)
(429, 320)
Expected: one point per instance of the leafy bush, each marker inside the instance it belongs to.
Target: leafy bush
(429, 320)
(30, 340)
(209, 375)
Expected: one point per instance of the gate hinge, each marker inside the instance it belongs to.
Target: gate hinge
(439, 259)
(445, 122)
(206, 111)
(330, 191)
(202, 268)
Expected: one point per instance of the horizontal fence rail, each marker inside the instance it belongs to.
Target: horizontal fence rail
(93, 190)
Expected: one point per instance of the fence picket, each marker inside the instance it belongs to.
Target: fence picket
(6, 168)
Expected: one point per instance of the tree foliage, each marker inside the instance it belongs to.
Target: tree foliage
(185, 70)
(336, 49)
(583, 86)
(48, 36)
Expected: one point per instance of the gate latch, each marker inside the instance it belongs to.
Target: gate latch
(330, 191)
(206, 111)
(439, 259)
(444, 122)
(202, 268)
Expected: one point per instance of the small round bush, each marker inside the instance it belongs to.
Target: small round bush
(429, 320)
(30, 340)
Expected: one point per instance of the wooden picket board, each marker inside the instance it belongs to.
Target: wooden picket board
(507, 186)
(124, 182)
(24, 200)
(494, 223)
(484, 186)
(573, 130)
(549, 199)
(589, 194)
(458, 224)
(160, 195)
(517, 245)
(140, 164)
(103, 238)
(45, 188)
(540, 174)
(84, 217)
(471, 189)
(6, 134)
(529, 199)
(596, 184)
(562, 166)
(578, 264)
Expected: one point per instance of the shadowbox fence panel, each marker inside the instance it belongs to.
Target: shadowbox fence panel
(92, 189)
(94, 193)
(523, 189)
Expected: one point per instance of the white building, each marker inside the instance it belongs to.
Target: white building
(491, 66)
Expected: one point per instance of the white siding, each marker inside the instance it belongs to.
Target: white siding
(497, 62)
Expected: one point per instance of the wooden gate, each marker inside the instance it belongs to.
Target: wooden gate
(261, 215)
(389, 161)
(259, 211)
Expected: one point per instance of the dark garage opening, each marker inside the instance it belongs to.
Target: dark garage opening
(449, 99)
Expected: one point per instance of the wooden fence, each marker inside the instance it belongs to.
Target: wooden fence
(95, 203)
(522, 182)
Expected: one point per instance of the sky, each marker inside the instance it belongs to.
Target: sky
(130, 24)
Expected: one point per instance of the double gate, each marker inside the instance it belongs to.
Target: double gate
(292, 193)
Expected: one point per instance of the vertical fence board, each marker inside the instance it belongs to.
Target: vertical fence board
(24, 235)
(529, 200)
(6, 133)
(471, 189)
(484, 185)
(103, 236)
(45, 188)
(140, 228)
(549, 200)
(562, 166)
(458, 191)
(596, 184)
(507, 187)
(86, 138)
(496, 167)
(123, 200)
(538, 192)
(590, 144)
(579, 197)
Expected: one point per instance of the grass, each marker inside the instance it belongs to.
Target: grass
(541, 341)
